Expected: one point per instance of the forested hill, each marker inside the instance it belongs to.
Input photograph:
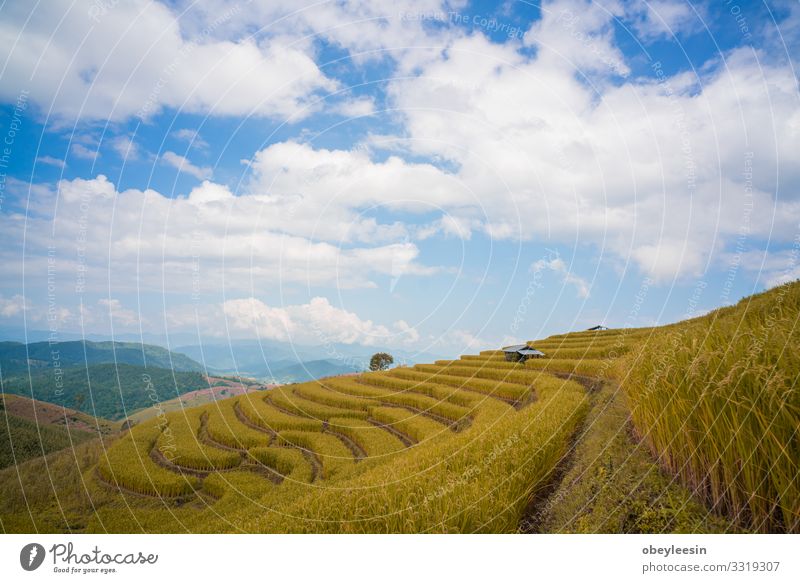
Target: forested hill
(105, 390)
(16, 358)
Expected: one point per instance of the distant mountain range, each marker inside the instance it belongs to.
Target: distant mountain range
(310, 370)
(16, 357)
(266, 360)
(287, 362)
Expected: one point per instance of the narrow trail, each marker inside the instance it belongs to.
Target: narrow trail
(161, 460)
(591, 384)
(359, 453)
(316, 465)
(268, 400)
(237, 410)
(535, 514)
(267, 472)
(205, 437)
(456, 426)
(407, 440)
(120, 489)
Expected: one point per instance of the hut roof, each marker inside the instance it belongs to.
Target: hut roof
(530, 352)
(515, 348)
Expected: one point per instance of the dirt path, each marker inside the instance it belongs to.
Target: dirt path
(358, 452)
(237, 410)
(119, 489)
(533, 518)
(591, 384)
(456, 426)
(158, 457)
(205, 437)
(316, 465)
(407, 440)
(265, 471)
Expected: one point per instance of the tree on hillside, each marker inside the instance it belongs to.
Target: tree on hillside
(380, 361)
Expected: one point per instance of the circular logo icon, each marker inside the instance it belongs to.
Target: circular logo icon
(31, 556)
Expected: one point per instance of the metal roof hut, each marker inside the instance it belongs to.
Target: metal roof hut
(597, 328)
(521, 353)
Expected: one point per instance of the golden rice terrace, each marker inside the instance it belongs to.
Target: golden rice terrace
(609, 431)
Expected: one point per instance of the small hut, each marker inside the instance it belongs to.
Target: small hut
(597, 328)
(521, 353)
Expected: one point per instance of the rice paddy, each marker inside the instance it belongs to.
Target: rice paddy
(476, 444)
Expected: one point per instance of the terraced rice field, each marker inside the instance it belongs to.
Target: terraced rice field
(475, 444)
(453, 446)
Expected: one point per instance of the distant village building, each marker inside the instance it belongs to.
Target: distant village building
(597, 328)
(521, 353)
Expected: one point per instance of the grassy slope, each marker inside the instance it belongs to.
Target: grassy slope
(21, 439)
(498, 474)
(717, 401)
(613, 484)
(29, 429)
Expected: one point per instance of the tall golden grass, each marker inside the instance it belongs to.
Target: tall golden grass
(717, 400)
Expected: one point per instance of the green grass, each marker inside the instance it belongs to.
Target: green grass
(614, 485)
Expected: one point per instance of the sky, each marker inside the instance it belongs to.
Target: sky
(419, 174)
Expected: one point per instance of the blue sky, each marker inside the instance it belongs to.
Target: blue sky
(441, 176)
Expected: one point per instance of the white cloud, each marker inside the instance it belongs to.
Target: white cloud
(82, 152)
(652, 173)
(359, 107)
(135, 58)
(658, 18)
(125, 147)
(182, 164)
(317, 322)
(12, 306)
(460, 341)
(579, 35)
(51, 161)
(191, 136)
(115, 311)
(210, 240)
(557, 265)
(771, 268)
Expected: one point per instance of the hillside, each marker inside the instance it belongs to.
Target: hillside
(17, 358)
(29, 429)
(637, 430)
(105, 390)
(44, 413)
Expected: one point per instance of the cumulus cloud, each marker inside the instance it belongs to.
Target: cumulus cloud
(192, 137)
(125, 147)
(359, 107)
(210, 239)
(136, 58)
(316, 322)
(182, 164)
(557, 265)
(12, 306)
(651, 170)
(80, 151)
(462, 341)
(116, 312)
(51, 161)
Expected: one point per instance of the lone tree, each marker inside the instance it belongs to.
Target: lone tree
(380, 361)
